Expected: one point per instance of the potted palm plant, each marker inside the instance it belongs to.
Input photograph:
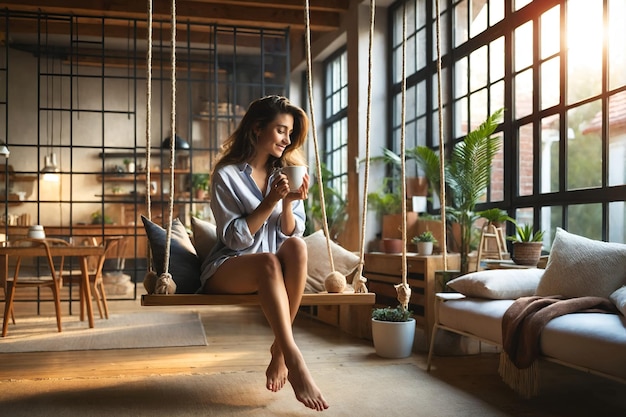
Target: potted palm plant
(495, 216)
(467, 176)
(527, 245)
(393, 331)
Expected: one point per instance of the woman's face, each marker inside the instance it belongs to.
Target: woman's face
(274, 138)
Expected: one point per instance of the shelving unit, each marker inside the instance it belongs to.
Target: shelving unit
(86, 98)
(26, 181)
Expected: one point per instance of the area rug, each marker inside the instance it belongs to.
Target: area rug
(148, 329)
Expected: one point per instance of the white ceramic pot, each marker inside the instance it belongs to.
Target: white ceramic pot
(393, 339)
(424, 248)
(36, 232)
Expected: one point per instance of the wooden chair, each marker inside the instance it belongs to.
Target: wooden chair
(113, 247)
(52, 281)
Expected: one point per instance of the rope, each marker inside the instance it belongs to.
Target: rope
(442, 172)
(170, 207)
(403, 289)
(358, 282)
(318, 164)
(164, 284)
(149, 121)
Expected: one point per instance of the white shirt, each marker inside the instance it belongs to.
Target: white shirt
(234, 195)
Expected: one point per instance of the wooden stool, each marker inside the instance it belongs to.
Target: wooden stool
(491, 233)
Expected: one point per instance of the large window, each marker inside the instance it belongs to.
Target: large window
(557, 67)
(335, 153)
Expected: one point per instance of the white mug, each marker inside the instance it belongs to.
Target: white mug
(295, 176)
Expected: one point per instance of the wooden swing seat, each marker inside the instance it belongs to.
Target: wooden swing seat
(308, 299)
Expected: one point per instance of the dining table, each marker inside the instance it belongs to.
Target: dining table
(80, 252)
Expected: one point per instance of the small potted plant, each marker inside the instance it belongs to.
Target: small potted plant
(393, 331)
(130, 165)
(200, 184)
(527, 245)
(425, 242)
(495, 216)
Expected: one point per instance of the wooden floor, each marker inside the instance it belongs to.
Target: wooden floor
(239, 338)
(233, 332)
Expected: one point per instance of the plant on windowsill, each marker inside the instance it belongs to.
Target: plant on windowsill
(527, 245)
(424, 242)
(393, 331)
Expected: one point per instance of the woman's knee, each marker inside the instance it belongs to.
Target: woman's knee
(295, 249)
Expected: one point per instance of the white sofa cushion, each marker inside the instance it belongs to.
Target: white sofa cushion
(591, 340)
(595, 341)
(579, 266)
(498, 284)
(479, 317)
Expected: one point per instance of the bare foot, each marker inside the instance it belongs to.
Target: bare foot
(305, 388)
(276, 372)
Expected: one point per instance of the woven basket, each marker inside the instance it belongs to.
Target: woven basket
(526, 253)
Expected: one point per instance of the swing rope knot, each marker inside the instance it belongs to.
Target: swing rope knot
(359, 284)
(404, 294)
(165, 284)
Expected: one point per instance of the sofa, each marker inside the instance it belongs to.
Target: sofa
(586, 275)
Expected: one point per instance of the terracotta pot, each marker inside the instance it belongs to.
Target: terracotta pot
(526, 253)
(392, 245)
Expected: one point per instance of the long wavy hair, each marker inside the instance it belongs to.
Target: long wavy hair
(241, 145)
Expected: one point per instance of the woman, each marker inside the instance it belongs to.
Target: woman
(259, 225)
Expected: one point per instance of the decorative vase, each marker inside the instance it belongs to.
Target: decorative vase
(424, 248)
(393, 339)
(526, 253)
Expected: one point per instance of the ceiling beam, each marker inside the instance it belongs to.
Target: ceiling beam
(325, 15)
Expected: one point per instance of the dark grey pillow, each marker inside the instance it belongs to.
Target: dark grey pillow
(184, 263)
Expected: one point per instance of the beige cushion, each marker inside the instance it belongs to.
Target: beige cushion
(319, 265)
(618, 297)
(498, 284)
(204, 237)
(579, 266)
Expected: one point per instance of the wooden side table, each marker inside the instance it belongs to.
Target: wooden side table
(383, 271)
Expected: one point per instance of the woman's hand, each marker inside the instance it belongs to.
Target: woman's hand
(301, 194)
(280, 189)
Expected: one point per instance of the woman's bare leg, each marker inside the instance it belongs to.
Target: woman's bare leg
(293, 258)
(263, 273)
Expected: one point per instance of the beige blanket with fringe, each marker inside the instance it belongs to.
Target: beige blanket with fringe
(522, 325)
